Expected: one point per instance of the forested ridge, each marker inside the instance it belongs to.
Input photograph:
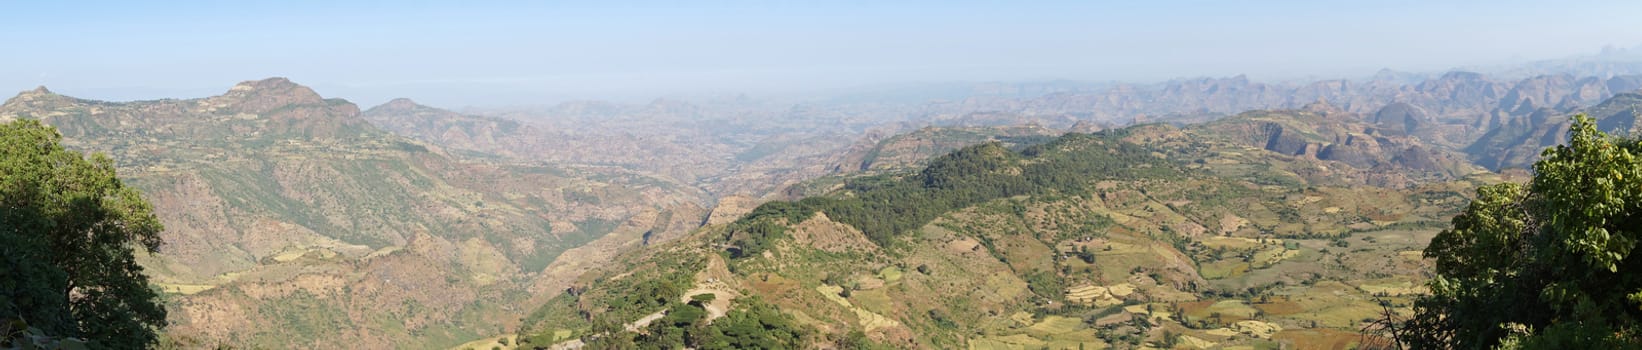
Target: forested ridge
(883, 206)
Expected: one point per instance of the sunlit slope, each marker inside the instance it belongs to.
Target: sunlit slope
(291, 222)
(1146, 235)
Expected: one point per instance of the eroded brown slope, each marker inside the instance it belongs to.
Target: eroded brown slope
(293, 222)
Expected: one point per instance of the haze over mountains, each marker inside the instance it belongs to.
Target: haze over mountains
(1451, 110)
(1173, 174)
(295, 219)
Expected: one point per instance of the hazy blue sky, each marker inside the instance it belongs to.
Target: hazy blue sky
(476, 52)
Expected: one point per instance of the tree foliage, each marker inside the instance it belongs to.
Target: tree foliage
(757, 325)
(68, 233)
(1546, 265)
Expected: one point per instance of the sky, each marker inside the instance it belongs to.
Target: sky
(491, 53)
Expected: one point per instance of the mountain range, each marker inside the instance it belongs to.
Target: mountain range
(295, 220)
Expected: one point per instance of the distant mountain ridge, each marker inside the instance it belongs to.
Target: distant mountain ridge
(492, 135)
(1454, 110)
(1451, 111)
(723, 150)
(1457, 97)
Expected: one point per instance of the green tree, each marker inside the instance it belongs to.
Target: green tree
(756, 326)
(1547, 265)
(68, 233)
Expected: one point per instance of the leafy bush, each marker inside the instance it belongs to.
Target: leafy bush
(1547, 265)
(68, 241)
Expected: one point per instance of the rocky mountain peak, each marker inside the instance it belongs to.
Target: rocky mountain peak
(36, 93)
(38, 98)
(264, 95)
(401, 103)
(274, 87)
(274, 83)
(398, 105)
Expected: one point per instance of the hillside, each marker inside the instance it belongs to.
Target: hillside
(293, 222)
(453, 130)
(1198, 236)
(1350, 148)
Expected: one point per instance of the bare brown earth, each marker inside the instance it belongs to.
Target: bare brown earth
(730, 208)
(820, 232)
